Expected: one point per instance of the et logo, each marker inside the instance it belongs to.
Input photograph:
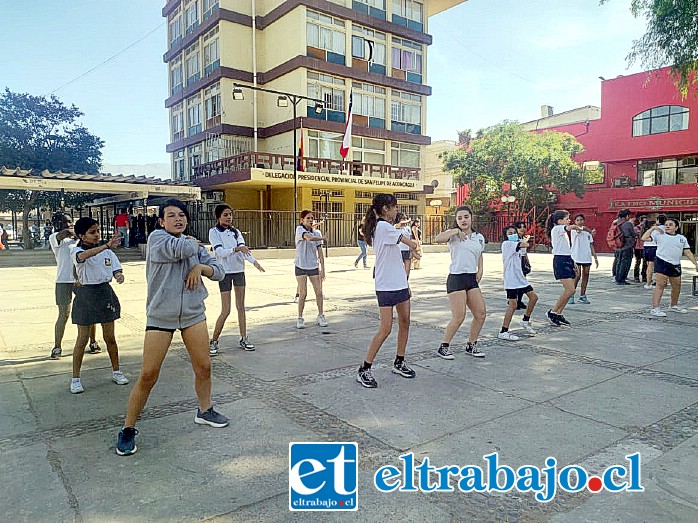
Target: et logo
(323, 476)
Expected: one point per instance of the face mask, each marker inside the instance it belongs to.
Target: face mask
(513, 237)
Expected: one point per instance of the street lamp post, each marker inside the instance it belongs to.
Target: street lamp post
(508, 200)
(282, 101)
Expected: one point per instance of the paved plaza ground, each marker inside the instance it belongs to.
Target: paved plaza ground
(617, 382)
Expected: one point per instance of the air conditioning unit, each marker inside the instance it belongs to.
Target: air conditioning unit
(689, 162)
(621, 181)
(212, 196)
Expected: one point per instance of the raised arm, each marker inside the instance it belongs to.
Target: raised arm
(446, 235)
(165, 248)
(648, 233)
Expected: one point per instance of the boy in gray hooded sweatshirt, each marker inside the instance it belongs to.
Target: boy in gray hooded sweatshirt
(175, 264)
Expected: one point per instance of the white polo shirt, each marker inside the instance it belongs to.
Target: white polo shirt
(224, 242)
(581, 246)
(652, 243)
(560, 241)
(389, 271)
(465, 254)
(407, 233)
(306, 250)
(97, 269)
(670, 248)
(62, 251)
(511, 259)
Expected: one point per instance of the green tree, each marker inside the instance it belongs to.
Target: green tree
(532, 164)
(38, 132)
(671, 38)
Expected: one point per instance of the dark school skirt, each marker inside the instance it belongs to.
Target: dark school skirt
(95, 304)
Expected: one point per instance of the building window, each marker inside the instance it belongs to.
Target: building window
(191, 61)
(331, 90)
(363, 194)
(212, 59)
(368, 150)
(369, 105)
(406, 60)
(409, 210)
(324, 145)
(406, 112)
(212, 105)
(669, 171)
(191, 16)
(214, 147)
(210, 8)
(662, 119)
(178, 165)
(593, 174)
(369, 45)
(326, 38)
(194, 153)
(404, 154)
(174, 28)
(361, 208)
(320, 207)
(409, 13)
(177, 122)
(176, 76)
(193, 115)
(375, 8)
(406, 196)
(334, 193)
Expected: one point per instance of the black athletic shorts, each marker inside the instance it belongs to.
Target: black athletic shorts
(583, 264)
(649, 253)
(405, 255)
(392, 298)
(161, 329)
(515, 294)
(231, 279)
(667, 269)
(64, 293)
(461, 282)
(563, 267)
(307, 272)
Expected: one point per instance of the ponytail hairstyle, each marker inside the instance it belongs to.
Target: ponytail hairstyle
(374, 212)
(558, 215)
(455, 215)
(218, 211)
(305, 213)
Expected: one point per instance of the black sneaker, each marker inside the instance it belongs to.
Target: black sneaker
(562, 320)
(445, 353)
(403, 370)
(245, 344)
(553, 318)
(56, 353)
(520, 306)
(211, 418)
(94, 348)
(365, 377)
(472, 350)
(126, 442)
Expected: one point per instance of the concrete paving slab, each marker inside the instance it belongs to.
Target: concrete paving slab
(629, 400)
(15, 410)
(685, 364)
(655, 333)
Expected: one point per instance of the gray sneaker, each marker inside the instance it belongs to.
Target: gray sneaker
(213, 348)
(245, 344)
(211, 418)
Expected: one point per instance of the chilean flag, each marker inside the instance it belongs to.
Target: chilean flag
(346, 141)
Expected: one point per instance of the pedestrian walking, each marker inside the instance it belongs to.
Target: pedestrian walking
(309, 264)
(392, 290)
(515, 283)
(122, 225)
(175, 264)
(95, 302)
(361, 242)
(582, 253)
(417, 236)
(462, 285)
(667, 264)
(230, 250)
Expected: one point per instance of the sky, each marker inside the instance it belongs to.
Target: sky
(491, 60)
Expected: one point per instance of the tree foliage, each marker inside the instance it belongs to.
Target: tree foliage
(38, 132)
(530, 164)
(671, 38)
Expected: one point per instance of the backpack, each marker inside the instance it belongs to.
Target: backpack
(614, 236)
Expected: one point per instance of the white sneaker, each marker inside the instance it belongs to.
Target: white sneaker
(658, 312)
(300, 323)
(321, 321)
(76, 386)
(295, 299)
(676, 308)
(648, 287)
(508, 336)
(118, 377)
(527, 325)
(213, 348)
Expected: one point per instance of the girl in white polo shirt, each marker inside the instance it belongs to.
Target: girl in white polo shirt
(667, 263)
(391, 285)
(462, 286)
(229, 247)
(95, 301)
(582, 253)
(310, 264)
(402, 223)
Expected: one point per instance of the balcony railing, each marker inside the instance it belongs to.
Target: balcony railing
(284, 162)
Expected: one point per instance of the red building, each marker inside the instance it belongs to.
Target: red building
(641, 153)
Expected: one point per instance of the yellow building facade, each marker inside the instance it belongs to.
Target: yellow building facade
(373, 50)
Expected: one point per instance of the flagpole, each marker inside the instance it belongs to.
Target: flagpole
(295, 166)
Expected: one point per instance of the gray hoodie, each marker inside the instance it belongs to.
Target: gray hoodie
(168, 261)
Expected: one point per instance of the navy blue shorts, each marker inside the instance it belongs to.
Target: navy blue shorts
(405, 255)
(563, 267)
(307, 272)
(649, 253)
(516, 294)
(392, 298)
(231, 279)
(461, 282)
(667, 269)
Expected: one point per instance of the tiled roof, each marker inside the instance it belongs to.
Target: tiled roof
(102, 177)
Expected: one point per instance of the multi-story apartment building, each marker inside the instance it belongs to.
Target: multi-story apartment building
(374, 49)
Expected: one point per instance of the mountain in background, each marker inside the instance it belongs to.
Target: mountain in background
(153, 170)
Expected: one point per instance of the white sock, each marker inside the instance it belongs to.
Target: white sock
(75, 380)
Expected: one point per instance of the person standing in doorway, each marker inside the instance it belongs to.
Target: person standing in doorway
(361, 242)
(122, 224)
(624, 255)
